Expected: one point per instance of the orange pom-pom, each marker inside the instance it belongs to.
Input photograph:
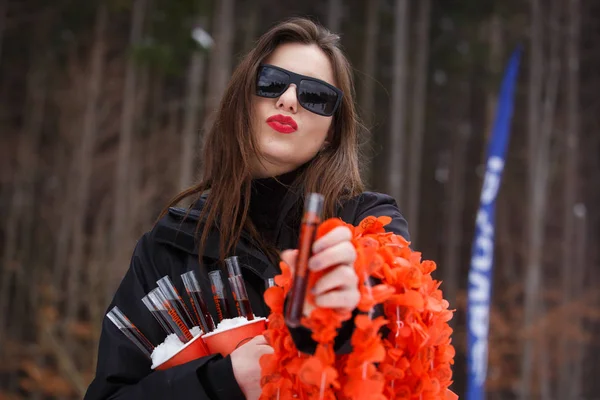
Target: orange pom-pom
(414, 361)
(329, 225)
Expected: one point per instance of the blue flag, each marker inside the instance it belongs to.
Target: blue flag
(482, 258)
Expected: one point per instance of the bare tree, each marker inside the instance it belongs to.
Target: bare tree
(121, 222)
(532, 283)
(367, 97)
(9, 262)
(454, 212)
(3, 9)
(10, 242)
(419, 104)
(99, 257)
(396, 151)
(334, 15)
(574, 388)
(84, 156)
(251, 26)
(494, 65)
(137, 171)
(45, 105)
(65, 224)
(17, 259)
(190, 119)
(541, 126)
(220, 58)
(571, 191)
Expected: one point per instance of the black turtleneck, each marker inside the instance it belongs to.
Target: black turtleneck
(268, 202)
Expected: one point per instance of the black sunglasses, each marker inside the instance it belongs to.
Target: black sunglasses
(315, 95)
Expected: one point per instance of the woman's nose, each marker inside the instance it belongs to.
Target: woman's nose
(288, 100)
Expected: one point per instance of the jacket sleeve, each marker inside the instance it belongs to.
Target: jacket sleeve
(123, 372)
(305, 343)
(366, 204)
(379, 205)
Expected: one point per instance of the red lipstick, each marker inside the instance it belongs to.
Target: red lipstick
(282, 123)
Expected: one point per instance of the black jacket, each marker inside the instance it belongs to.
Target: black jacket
(123, 372)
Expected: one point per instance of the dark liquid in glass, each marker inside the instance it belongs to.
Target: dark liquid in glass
(300, 282)
(294, 309)
(163, 317)
(222, 308)
(183, 331)
(244, 309)
(183, 311)
(204, 318)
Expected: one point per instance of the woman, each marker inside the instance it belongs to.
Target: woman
(286, 126)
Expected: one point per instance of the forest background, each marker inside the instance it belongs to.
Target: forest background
(102, 108)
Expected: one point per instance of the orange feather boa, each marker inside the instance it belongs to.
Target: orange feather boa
(412, 362)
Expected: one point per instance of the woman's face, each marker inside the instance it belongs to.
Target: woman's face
(283, 145)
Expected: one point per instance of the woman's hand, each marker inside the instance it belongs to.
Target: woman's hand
(246, 367)
(338, 288)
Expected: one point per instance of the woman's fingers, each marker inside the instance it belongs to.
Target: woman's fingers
(345, 299)
(338, 287)
(341, 277)
(340, 253)
(335, 236)
(289, 257)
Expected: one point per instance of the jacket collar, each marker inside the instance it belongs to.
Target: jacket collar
(178, 229)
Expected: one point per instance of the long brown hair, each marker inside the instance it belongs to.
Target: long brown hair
(230, 146)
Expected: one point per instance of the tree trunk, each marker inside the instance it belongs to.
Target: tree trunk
(334, 15)
(190, 134)
(454, 213)
(17, 259)
(34, 124)
(9, 258)
(29, 266)
(121, 220)
(84, 157)
(544, 359)
(65, 168)
(220, 58)
(532, 282)
(494, 67)
(18, 229)
(456, 188)
(65, 217)
(544, 164)
(539, 164)
(571, 190)
(580, 260)
(367, 93)
(419, 105)
(3, 9)
(96, 282)
(251, 26)
(396, 159)
(156, 133)
(65, 226)
(138, 204)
